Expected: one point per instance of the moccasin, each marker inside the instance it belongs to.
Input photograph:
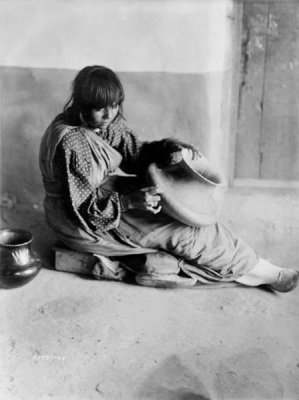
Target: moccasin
(164, 281)
(287, 281)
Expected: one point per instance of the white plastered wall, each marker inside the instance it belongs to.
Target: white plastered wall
(173, 36)
(128, 35)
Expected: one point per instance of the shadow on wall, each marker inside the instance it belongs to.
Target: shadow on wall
(157, 105)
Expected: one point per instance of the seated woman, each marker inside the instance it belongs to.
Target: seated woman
(94, 211)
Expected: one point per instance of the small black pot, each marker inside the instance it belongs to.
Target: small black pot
(18, 263)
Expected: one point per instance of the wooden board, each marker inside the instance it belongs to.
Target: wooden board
(73, 261)
(247, 164)
(280, 133)
(267, 136)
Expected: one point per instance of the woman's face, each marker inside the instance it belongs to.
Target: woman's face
(103, 117)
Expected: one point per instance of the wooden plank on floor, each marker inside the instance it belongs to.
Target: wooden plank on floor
(73, 261)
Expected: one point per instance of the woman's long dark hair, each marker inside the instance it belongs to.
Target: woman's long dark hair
(94, 87)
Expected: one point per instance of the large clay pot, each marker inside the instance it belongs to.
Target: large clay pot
(18, 263)
(188, 189)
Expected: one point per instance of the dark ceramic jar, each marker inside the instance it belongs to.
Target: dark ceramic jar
(18, 263)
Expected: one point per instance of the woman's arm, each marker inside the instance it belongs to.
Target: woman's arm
(97, 208)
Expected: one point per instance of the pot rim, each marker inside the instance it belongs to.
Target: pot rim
(27, 237)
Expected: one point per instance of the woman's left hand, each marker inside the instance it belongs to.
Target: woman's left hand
(169, 152)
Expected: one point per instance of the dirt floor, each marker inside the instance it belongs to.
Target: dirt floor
(64, 336)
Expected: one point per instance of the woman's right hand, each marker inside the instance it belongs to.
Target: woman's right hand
(144, 199)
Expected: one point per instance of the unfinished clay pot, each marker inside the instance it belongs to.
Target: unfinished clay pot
(18, 263)
(188, 190)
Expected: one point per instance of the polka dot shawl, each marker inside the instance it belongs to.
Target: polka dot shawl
(93, 206)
